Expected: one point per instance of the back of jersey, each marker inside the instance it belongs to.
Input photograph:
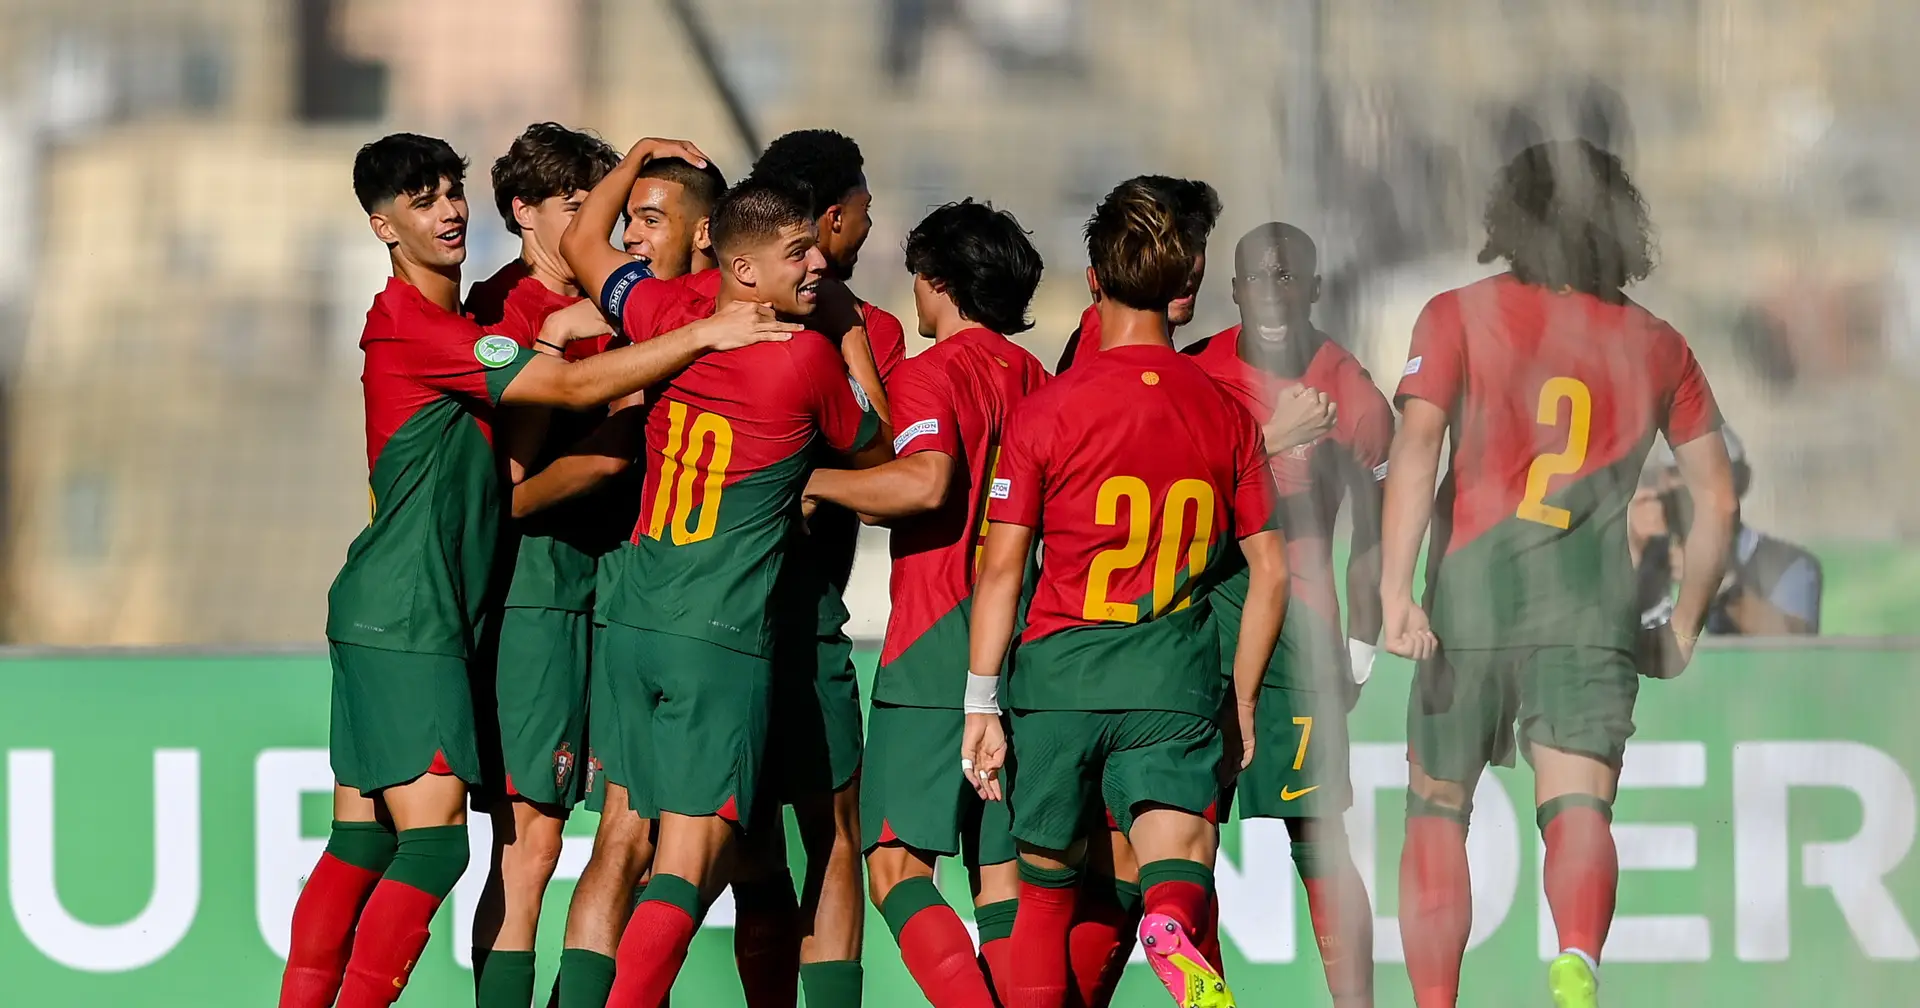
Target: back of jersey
(1553, 401)
(1137, 470)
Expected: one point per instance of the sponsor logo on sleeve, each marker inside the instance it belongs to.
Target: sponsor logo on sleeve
(1413, 366)
(860, 395)
(1379, 472)
(495, 350)
(930, 425)
(1001, 489)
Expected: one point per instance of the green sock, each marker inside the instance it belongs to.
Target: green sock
(502, 979)
(585, 980)
(831, 984)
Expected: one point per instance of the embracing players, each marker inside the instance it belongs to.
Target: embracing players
(1137, 471)
(1550, 385)
(404, 616)
(974, 274)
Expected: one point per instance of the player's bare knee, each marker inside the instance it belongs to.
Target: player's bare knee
(1444, 793)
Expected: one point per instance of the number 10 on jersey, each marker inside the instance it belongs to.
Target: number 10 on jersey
(686, 465)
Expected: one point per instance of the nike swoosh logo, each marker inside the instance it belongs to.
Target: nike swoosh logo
(1288, 794)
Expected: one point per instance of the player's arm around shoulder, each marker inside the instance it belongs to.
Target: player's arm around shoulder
(604, 377)
(837, 403)
(921, 475)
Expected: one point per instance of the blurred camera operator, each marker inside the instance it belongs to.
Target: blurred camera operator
(1772, 587)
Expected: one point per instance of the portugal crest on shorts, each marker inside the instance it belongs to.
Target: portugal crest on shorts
(562, 765)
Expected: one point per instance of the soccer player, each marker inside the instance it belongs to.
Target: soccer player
(1137, 471)
(1299, 772)
(668, 205)
(689, 631)
(1550, 386)
(1199, 209)
(404, 614)
(537, 703)
(815, 754)
(974, 274)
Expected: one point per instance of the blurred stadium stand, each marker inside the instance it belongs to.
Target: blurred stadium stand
(186, 273)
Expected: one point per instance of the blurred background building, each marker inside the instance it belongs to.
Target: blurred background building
(187, 272)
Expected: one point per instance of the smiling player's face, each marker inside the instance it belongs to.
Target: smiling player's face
(660, 227)
(786, 271)
(427, 227)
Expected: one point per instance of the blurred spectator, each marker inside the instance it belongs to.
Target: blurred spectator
(1772, 586)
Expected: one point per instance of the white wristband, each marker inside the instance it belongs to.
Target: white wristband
(1360, 659)
(983, 694)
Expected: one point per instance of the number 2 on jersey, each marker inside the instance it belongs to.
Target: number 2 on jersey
(1166, 565)
(681, 470)
(1534, 506)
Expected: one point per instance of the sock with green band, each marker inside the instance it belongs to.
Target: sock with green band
(327, 910)
(934, 945)
(502, 979)
(1182, 890)
(994, 921)
(1341, 914)
(585, 980)
(1418, 807)
(1049, 898)
(654, 945)
(430, 859)
(367, 845)
(393, 928)
(1049, 878)
(1582, 870)
(834, 984)
(1551, 809)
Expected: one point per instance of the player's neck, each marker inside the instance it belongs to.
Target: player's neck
(547, 268)
(950, 324)
(440, 285)
(1123, 326)
(732, 291)
(701, 261)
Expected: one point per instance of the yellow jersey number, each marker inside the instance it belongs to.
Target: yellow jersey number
(687, 464)
(1534, 507)
(1139, 520)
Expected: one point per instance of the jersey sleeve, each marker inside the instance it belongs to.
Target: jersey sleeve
(921, 400)
(1436, 359)
(1691, 410)
(634, 303)
(1254, 496)
(1014, 495)
(888, 341)
(455, 357)
(1372, 431)
(839, 406)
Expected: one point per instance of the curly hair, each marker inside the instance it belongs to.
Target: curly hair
(1564, 214)
(982, 259)
(548, 160)
(827, 164)
(1141, 249)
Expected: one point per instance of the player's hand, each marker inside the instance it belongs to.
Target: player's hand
(1301, 415)
(983, 753)
(1407, 632)
(578, 321)
(744, 323)
(651, 148)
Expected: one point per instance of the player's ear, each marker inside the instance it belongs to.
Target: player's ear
(522, 214)
(830, 221)
(383, 229)
(742, 269)
(702, 235)
(1313, 295)
(1093, 284)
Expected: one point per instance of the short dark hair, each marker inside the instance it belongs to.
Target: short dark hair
(1565, 214)
(827, 164)
(548, 160)
(1142, 255)
(1194, 202)
(753, 212)
(401, 164)
(704, 186)
(982, 258)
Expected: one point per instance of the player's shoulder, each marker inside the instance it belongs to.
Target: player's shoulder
(881, 322)
(487, 299)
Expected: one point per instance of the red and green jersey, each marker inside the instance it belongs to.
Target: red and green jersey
(954, 398)
(553, 551)
(726, 457)
(1085, 341)
(417, 577)
(810, 596)
(1552, 403)
(1311, 480)
(1136, 470)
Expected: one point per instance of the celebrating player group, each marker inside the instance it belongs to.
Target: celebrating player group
(613, 502)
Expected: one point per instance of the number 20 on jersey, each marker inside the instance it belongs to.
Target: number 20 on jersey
(1185, 494)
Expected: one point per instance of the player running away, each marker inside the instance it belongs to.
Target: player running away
(404, 615)
(974, 274)
(1137, 471)
(668, 202)
(1299, 772)
(1550, 386)
(689, 632)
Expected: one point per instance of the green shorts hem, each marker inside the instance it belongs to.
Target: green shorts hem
(1124, 759)
(912, 791)
(399, 715)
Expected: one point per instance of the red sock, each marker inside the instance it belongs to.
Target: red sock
(937, 951)
(392, 931)
(1117, 962)
(1343, 924)
(996, 961)
(1581, 872)
(323, 920)
(1208, 938)
(766, 948)
(1185, 902)
(1436, 908)
(1098, 937)
(1038, 975)
(652, 950)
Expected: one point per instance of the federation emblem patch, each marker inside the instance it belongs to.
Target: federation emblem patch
(1413, 367)
(562, 765)
(1000, 489)
(1149, 378)
(860, 395)
(495, 350)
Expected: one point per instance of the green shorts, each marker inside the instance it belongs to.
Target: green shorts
(814, 745)
(603, 730)
(1464, 704)
(1301, 757)
(534, 709)
(1129, 758)
(693, 721)
(912, 791)
(398, 715)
